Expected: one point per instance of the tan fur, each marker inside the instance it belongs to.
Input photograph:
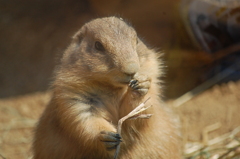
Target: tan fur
(91, 93)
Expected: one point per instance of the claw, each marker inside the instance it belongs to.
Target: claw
(110, 139)
(133, 82)
(141, 86)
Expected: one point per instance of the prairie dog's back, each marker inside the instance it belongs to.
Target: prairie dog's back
(104, 74)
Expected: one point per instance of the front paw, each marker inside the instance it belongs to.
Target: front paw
(140, 84)
(110, 139)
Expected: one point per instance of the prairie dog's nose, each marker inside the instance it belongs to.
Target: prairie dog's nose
(131, 68)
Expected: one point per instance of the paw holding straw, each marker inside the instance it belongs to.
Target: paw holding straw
(134, 114)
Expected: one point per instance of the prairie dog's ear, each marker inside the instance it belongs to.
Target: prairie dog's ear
(70, 55)
(78, 36)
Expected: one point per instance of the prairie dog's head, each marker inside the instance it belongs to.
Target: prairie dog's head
(106, 47)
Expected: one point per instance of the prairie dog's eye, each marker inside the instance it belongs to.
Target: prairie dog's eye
(99, 46)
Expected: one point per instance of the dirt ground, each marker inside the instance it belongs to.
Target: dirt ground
(220, 104)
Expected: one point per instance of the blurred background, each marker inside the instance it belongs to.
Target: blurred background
(200, 40)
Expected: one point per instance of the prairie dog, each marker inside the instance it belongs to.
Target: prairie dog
(91, 92)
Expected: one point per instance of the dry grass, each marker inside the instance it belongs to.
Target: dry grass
(226, 146)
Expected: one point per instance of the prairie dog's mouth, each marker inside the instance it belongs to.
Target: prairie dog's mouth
(124, 79)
